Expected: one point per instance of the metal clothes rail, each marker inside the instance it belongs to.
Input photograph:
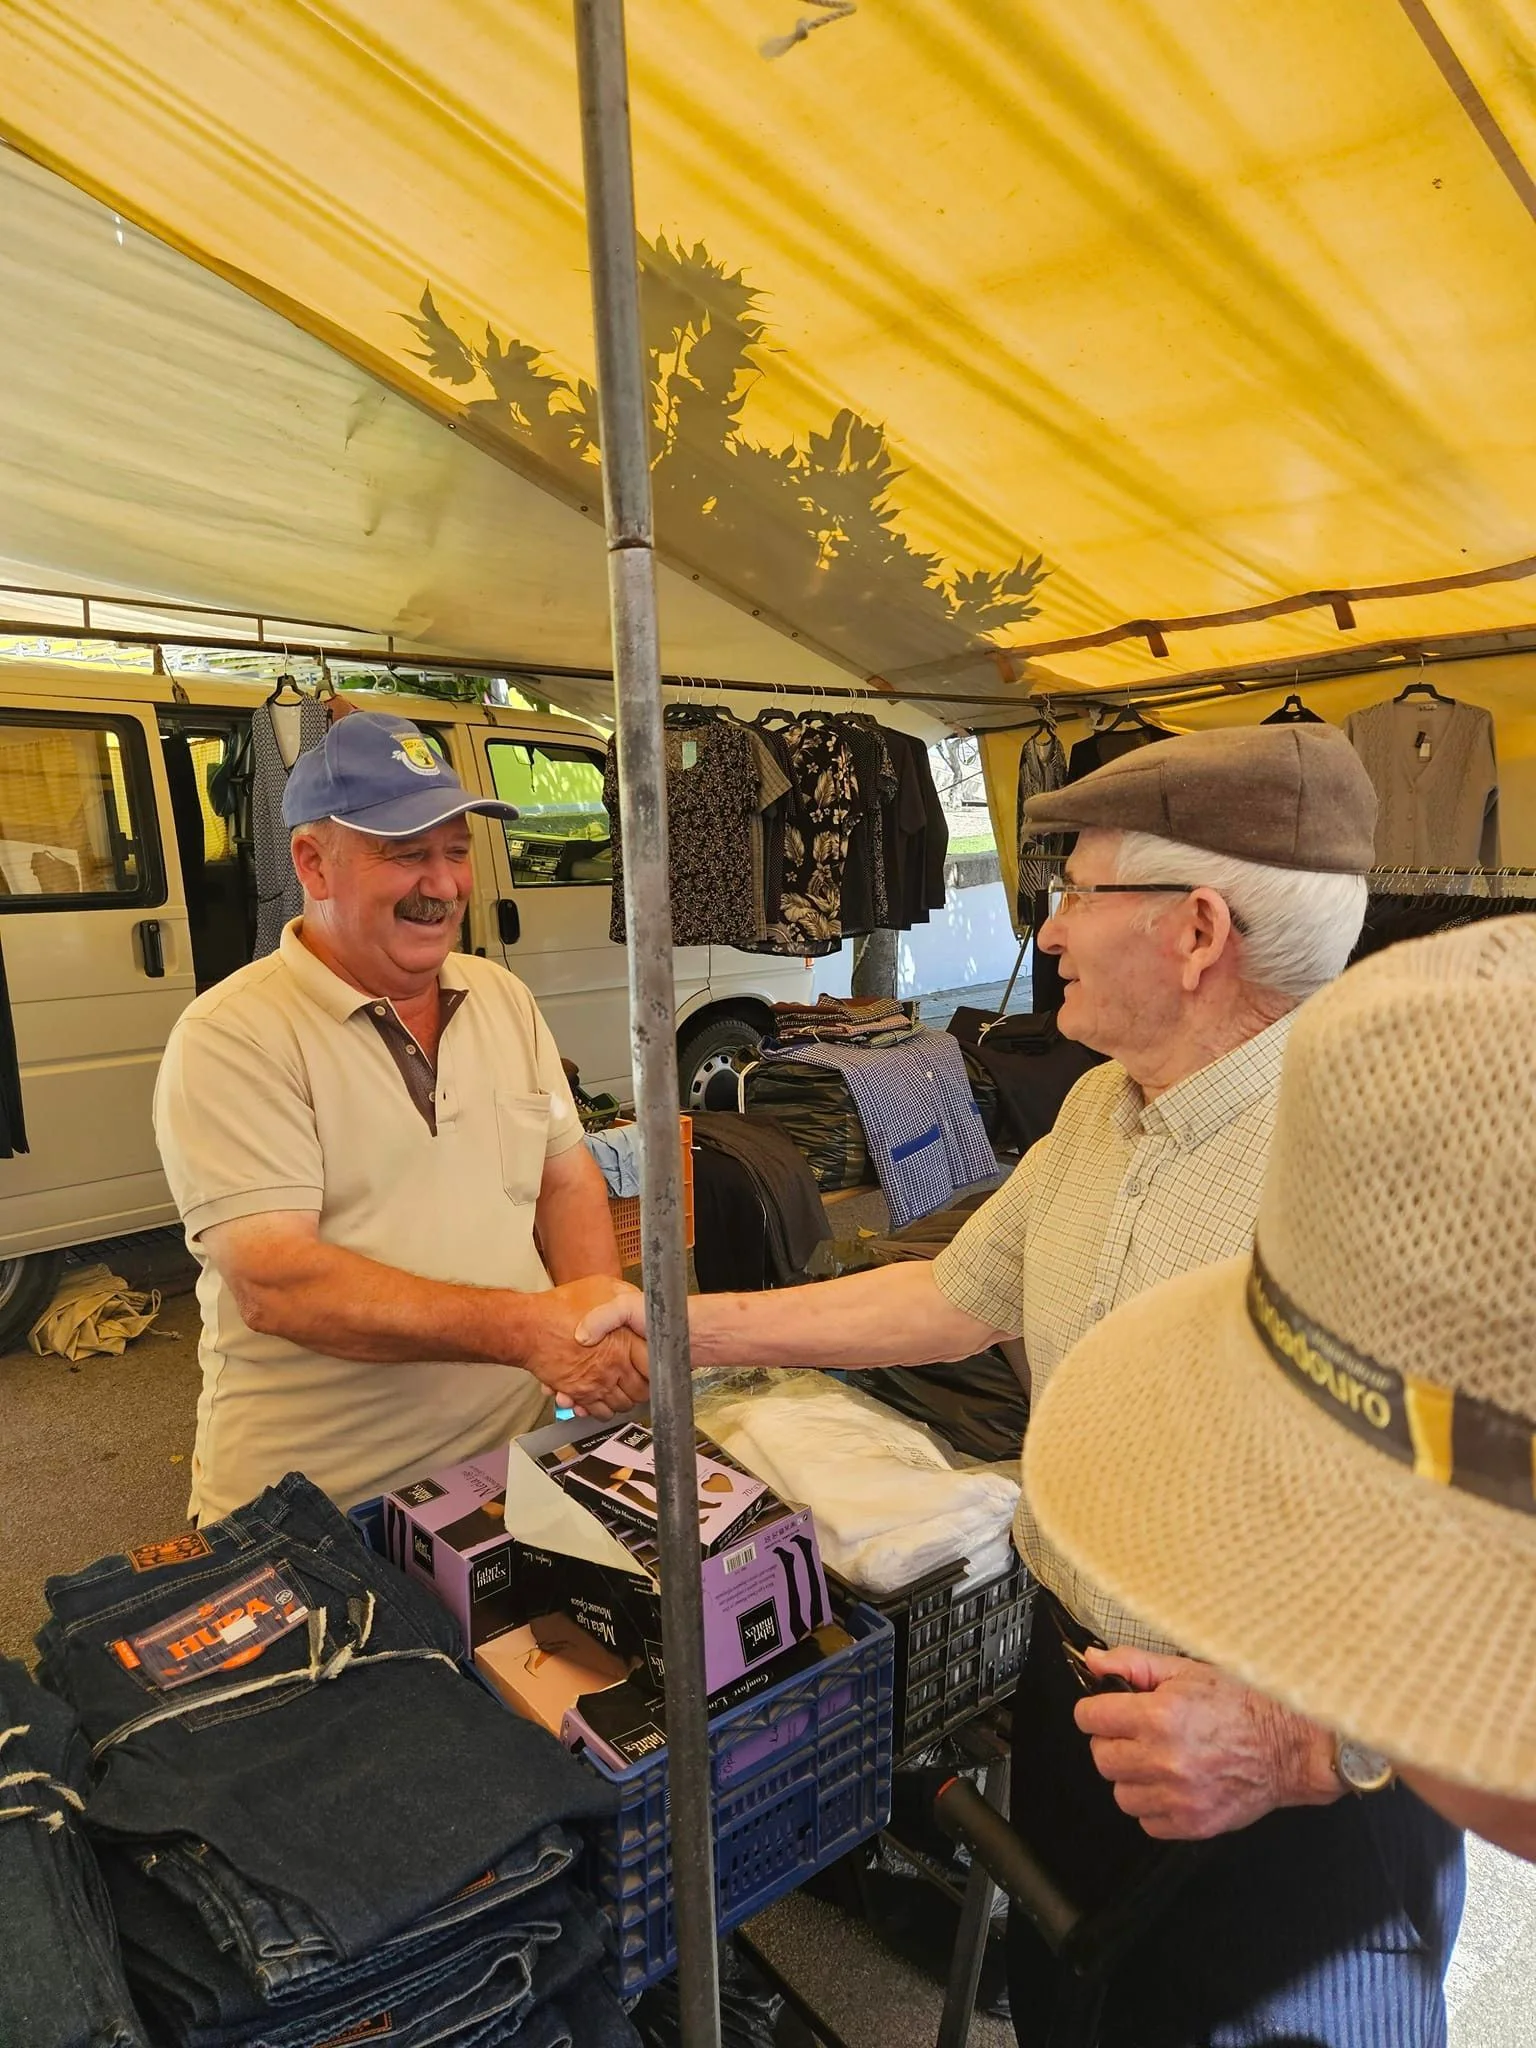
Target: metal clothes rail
(1428, 881)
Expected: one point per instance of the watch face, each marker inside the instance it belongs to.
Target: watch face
(1362, 1769)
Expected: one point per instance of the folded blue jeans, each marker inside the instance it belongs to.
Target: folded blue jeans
(167, 1939)
(61, 1977)
(587, 2016)
(492, 1971)
(470, 1980)
(346, 1783)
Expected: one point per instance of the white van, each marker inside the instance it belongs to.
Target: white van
(125, 889)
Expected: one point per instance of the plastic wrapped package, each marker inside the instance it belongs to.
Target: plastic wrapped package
(892, 1501)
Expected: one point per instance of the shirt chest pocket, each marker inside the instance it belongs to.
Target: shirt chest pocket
(522, 1130)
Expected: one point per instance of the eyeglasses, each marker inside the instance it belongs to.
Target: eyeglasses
(1063, 896)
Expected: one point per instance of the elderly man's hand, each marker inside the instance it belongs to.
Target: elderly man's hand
(616, 1311)
(616, 1315)
(1192, 1753)
(599, 1378)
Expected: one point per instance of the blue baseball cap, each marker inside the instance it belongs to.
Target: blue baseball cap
(380, 774)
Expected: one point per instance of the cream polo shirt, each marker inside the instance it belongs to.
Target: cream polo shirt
(279, 1090)
(1122, 1194)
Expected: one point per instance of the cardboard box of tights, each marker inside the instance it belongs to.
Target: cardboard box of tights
(449, 1530)
(581, 1517)
(551, 1671)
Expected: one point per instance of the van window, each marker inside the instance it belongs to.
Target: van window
(562, 833)
(72, 833)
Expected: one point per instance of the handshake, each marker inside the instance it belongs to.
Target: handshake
(587, 1345)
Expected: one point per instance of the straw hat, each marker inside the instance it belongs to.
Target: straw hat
(1316, 1467)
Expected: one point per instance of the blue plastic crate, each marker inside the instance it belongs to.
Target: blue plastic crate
(368, 1520)
(800, 1776)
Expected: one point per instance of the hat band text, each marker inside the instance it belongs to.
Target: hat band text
(1451, 1438)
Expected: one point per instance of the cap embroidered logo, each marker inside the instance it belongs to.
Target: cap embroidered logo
(416, 754)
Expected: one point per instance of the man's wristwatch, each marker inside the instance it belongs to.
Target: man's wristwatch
(1359, 1769)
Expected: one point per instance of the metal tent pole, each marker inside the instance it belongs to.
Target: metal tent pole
(624, 407)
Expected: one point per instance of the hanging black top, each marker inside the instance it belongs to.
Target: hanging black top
(865, 905)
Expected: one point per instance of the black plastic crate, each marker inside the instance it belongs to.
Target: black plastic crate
(958, 1648)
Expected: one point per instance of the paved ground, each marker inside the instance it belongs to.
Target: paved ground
(93, 1459)
(938, 1007)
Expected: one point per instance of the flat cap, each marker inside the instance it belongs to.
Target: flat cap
(1288, 796)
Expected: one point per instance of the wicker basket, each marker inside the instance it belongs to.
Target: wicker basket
(625, 1209)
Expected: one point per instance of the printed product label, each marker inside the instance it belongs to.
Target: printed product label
(491, 1574)
(365, 2030)
(421, 1551)
(760, 1635)
(421, 1493)
(150, 1557)
(596, 1619)
(230, 1628)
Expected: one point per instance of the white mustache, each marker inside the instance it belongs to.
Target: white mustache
(419, 909)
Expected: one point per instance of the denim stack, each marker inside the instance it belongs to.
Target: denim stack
(311, 1824)
(61, 1977)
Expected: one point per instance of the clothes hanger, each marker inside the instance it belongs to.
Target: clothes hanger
(1127, 714)
(288, 681)
(1421, 687)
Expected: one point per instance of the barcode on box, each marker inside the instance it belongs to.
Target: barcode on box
(736, 1560)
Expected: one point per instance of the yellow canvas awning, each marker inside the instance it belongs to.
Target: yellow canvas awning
(163, 435)
(1220, 310)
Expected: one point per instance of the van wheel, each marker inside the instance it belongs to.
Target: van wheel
(710, 1057)
(26, 1288)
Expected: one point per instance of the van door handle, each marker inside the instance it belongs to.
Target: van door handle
(509, 924)
(151, 948)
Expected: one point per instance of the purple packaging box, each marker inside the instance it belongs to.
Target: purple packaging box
(763, 1594)
(626, 1723)
(617, 1468)
(449, 1530)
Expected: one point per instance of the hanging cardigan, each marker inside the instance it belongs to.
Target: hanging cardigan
(1442, 811)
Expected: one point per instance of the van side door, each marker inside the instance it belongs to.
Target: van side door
(98, 962)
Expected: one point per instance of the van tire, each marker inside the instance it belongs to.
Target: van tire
(26, 1288)
(708, 1056)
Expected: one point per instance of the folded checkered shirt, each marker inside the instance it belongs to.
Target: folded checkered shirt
(921, 1123)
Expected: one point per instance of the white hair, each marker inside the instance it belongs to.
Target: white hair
(325, 831)
(1296, 927)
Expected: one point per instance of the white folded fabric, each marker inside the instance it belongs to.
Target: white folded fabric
(891, 1502)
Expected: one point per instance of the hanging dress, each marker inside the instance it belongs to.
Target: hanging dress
(278, 895)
